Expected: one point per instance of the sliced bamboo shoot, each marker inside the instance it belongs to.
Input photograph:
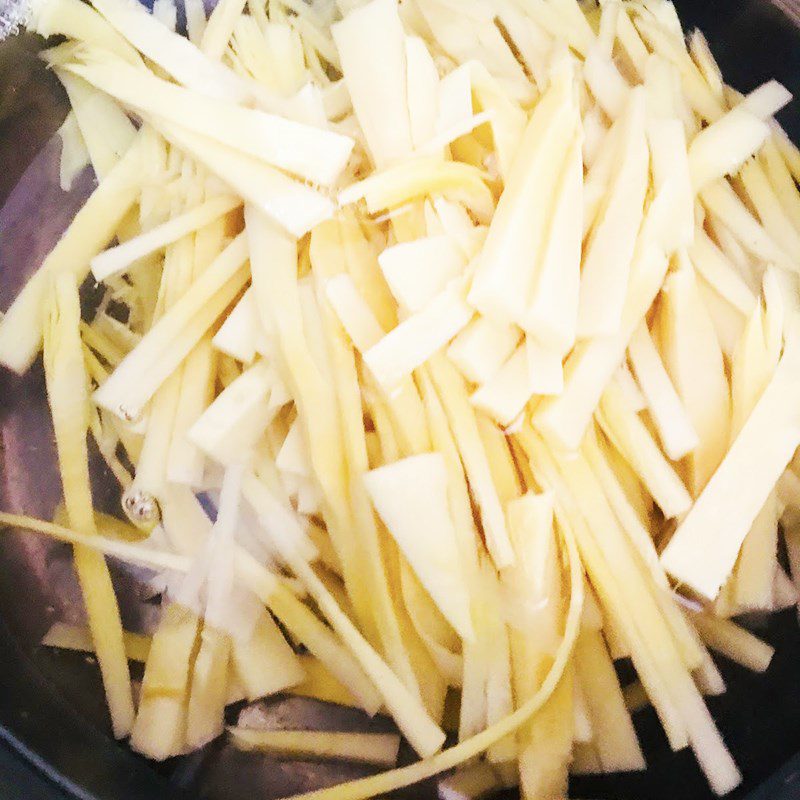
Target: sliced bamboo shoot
(67, 393)
(368, 748)
(766, 443)
(424, 530)
(91, 230)
(418, 337)
(119, 258)
(168, 342)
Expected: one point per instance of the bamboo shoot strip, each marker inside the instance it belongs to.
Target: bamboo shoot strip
(145, 556)
(311, 153)
(591, 365)
(633, 440)
(374, 34)
(64, 636)
(724, 146)
(77, 20)
(422, 527)
(177, 55)
(265, 664)
(119, 258)
(605, 271)
(615, 737)
(67, 393)
(168, 342)
(420, 177)
(292, 204)
(104, 126)
(327, 256)
(159, 730)
(306, 628)
(408, 712)
(217, 33)
(406, 776)
(510, 258)
(733, 641)
(301, 623)
(461, 415)
(702, 553)
(677, 435)
(418, 337)
(720, 199)
(282, 602)
(92, 229)
(368, 748)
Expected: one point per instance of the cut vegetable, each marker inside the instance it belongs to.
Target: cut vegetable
(242, 333)
(424, 530)
(119, 258)
(511, 254)
(91, 230)
(482, 348)
(353, 312)
(734, 642)
(461, 415)
(75, 637)
(161, 719)
(74, 155)
(693, 359)
(369, 748)
(303, 150)
(78, 21)
(266, 664)
(674, 426)
(294, 205)
(629, 434)
(610, 246)
(67, 394)
(720, 199)
(374, 34)
(723, 147)
(414, 722)
(591, 365)
(232, 425)
(613, 733)
(104, 126)
(170, 340)
(418, 178)
(178, 56)
(417, 271)
(418, 337)
(766, 443)
(508, 391)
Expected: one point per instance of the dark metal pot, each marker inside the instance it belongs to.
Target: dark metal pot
(54, 741)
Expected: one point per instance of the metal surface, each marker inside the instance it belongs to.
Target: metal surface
(51, 704)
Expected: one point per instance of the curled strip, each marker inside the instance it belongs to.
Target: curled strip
(405, 776)
(384, 782)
